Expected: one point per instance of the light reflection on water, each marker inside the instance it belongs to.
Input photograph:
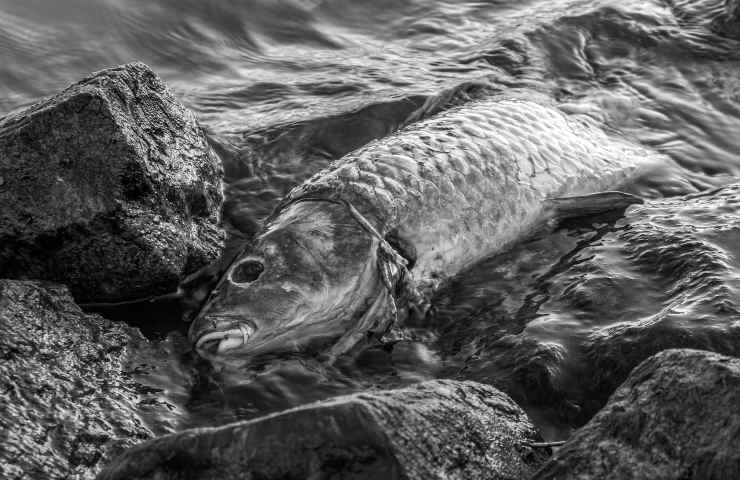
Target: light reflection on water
(283, 87)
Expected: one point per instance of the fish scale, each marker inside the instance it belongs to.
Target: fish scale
(474, 179)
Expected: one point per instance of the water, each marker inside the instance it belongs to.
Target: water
(284, 87)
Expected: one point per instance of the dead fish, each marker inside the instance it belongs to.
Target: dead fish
(346, 253)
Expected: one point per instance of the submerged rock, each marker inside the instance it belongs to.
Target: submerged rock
(682, 254)
(109, 187)
(676, 416)
(68, 402)
(559, 322)
(433, 430)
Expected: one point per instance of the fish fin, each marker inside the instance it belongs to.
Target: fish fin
(592, 204)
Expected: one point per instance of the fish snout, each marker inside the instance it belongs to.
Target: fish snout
(219, 334)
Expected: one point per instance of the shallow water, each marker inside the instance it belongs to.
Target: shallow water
(283, 87)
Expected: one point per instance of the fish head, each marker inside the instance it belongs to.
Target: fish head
(312, 269)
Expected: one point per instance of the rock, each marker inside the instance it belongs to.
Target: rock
(68, 399)
(559, 322)
(432, 430)
(685, 252)
(109, 187)
(676, 416)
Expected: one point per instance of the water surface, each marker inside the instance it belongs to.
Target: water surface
(284, 87)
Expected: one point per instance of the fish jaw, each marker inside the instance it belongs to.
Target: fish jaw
(224, 334)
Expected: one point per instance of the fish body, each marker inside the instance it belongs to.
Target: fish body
(450, 189)
(473, 180)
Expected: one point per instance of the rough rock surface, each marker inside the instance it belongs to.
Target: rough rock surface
(676, 416)
(67, 403)
(109, 187)
(433, 430)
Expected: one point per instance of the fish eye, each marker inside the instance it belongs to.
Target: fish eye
(248, 271)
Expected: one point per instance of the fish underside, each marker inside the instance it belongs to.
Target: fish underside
(348, 251)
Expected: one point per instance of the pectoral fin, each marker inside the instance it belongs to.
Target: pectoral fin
(593, 204)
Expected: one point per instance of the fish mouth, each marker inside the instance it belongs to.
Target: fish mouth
(226, 334)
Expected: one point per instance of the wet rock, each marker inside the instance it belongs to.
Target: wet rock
(611, 353)
(685, 253)
(676, 416)
(68, 402)
(433, 430)
(559, 322)
(109, 187)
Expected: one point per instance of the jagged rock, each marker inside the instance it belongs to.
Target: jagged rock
(676, 416)
(68, 400)
(432, 430)
(109, 187)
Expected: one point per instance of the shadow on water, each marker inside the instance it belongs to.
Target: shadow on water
(284, 88)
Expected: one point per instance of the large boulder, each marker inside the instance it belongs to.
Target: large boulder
(68, 398)
(109, 187)
(676, 416)
(433, 430)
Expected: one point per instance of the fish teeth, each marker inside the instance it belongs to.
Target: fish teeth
(229, 339)
(230, 343)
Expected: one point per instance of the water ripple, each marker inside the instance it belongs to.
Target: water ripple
(284, 87)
